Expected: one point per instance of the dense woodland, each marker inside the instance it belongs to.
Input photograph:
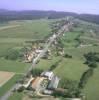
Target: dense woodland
(6, 15)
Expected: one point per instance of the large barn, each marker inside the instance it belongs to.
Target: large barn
(54, 83)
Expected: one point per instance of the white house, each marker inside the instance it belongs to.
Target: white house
(38, 51)
(48, 74)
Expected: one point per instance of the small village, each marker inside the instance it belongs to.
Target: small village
(46, 83)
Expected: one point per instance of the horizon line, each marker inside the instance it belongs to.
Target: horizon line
(47, 10)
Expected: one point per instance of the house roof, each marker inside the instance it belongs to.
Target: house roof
(54, 83)
(36, 82)
(47, 73)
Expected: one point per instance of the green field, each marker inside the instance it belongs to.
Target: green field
(70, 68)
(13, 66)
(36, 29)
(92, 87)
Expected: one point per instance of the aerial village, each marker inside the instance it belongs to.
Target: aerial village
(44, 84)
(49, 50)
(47, 82)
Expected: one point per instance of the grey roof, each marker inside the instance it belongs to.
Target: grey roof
(53, 83)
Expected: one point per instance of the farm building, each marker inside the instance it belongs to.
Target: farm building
(36, 83)
(48, 74)
(54, 83)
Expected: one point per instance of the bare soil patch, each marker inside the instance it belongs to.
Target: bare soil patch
(5, 76)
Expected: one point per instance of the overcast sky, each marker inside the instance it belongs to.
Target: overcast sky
(79, 6)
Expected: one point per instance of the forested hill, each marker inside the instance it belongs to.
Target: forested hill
(32, 14)
(89, 18)
(6, 15)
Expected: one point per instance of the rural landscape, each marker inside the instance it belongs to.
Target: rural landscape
(49, 55)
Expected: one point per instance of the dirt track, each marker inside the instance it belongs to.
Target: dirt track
(7, 27)
(5, 76)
